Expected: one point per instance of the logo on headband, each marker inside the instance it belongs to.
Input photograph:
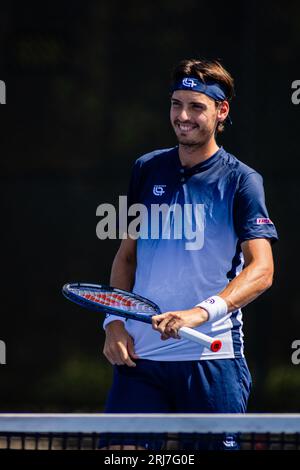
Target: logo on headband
(189, 82)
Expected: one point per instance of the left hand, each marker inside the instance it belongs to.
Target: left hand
(169, 323)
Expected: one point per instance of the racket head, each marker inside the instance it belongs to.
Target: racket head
(107, 299)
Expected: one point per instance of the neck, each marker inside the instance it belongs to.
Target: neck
(190, 156)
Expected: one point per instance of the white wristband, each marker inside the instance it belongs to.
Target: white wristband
(215, 306)
(111, 318)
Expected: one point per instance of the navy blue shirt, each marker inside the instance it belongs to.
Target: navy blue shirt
(191, 249)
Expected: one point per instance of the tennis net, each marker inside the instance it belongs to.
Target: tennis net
(150, 431)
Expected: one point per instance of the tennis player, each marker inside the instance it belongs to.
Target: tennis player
(202, 285)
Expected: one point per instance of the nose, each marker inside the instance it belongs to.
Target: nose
(183, 115)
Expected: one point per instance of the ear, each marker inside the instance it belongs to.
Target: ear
(223, 111)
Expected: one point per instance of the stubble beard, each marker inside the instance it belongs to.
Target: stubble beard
(191, 145)
(194, 145)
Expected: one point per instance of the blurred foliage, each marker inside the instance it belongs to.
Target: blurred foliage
(282, 389)
(79, 384)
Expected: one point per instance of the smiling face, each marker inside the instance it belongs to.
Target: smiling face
(194, 117)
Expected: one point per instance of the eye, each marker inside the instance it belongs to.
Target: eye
(175, 104)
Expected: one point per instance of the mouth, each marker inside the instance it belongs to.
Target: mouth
(186, 128)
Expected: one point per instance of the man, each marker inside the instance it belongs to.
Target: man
(230, 265)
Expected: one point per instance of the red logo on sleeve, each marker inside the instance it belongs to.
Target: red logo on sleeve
(264, 221)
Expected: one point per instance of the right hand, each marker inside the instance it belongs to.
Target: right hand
(119, 346)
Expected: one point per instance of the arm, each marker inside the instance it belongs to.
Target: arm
(118, 347)
(256, 277)
(124, 265)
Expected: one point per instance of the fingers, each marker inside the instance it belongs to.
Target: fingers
(167, 324)
(119, 353)
(159, 322)
(172, 329)
(169, 329)
(130, 348)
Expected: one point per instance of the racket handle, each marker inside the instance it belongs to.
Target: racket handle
(193, 335)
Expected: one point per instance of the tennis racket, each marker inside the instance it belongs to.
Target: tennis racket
(112, 301)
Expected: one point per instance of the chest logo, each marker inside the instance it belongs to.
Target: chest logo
(158, 189)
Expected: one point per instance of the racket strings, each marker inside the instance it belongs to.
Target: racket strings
(115, 299)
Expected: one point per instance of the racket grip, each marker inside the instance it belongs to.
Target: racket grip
(193, 335)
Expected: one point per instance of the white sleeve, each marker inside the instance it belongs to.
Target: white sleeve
(111, 318)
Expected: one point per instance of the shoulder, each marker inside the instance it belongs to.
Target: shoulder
(238, 170)
(156, 157)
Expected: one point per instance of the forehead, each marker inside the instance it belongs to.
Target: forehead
(187, 96)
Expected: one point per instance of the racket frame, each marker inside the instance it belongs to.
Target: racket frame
(213, 344)
(91, 305)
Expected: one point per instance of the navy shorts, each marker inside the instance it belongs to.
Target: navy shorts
(206, 386)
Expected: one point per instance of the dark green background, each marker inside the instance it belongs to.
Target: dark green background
(87, 93)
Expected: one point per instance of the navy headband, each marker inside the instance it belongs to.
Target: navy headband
(212, 89)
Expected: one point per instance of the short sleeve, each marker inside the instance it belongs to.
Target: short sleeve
(110, 318)
(251, 218)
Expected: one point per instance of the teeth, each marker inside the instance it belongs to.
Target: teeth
(185, 128)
